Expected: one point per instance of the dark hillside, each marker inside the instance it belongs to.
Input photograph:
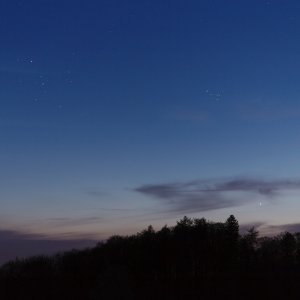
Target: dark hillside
(196, 259)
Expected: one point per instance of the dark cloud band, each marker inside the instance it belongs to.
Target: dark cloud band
(19, 244)
(204, 195)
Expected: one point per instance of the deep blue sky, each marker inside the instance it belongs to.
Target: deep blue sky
(118, 114)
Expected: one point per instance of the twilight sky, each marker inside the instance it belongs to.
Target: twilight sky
(119, 114)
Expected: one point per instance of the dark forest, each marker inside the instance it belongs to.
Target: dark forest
(196, 259)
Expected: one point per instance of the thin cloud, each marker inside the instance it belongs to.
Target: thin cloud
(276, 229)
(294, 227)
(265, 229)
(75, 221)
(205, 195)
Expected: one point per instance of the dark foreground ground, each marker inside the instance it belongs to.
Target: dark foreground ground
(196, 259)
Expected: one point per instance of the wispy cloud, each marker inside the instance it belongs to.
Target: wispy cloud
(267, 229)
(205, 195)
(64, 221)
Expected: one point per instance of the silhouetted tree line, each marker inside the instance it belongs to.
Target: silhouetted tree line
(195, 259)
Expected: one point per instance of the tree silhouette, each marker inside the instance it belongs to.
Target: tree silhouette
(232, 228)
(195, 259)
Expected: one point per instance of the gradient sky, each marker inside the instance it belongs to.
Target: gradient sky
(120, 114)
